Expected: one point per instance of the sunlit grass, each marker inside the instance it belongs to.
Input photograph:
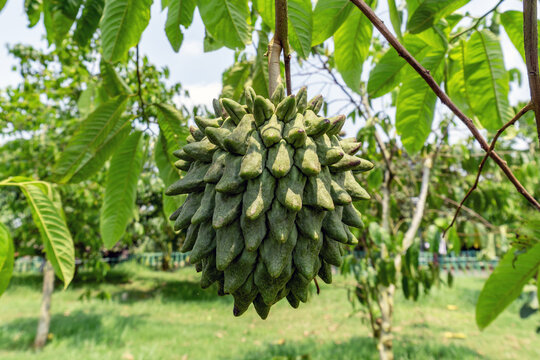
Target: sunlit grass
(167, 316)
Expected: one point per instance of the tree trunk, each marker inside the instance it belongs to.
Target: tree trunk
(45, 311)
(385, 339)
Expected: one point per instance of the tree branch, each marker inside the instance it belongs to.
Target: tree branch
(425, 74)
(483, 162)
(279, 41)
(467, 209)
(530, 35)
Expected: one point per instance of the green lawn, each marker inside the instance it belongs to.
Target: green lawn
(167, 316)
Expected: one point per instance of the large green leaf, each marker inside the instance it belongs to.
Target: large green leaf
(88, 23)
(267, 10)
(180, 13)
(328, 16)
(121, 189)
(512, 21)
(351, 43)
(59, 16)
(168, 174)
(300, 26)
(33, 10)
(234, 79)
(395, 18)
(122, 25)
(227, 21)
(173, 128)
(52, 226)
(486, 79)
(260, 69)
(431, 11)
(113, 84)
(415, 103)
(505, 284)
(103, 152)
(2, 4)
(455, 82)
(385, 76)
(89, 138)
(6, 257)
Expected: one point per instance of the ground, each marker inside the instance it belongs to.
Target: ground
(166, 316)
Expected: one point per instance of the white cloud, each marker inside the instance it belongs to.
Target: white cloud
(199, 94)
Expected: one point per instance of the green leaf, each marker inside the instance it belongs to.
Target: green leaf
(173, 127)
(210, 44)
(85, 102)
(121, 189)
(234, 80)
(505, 284)
(113, 84)
(2, 4)
(88, 23)
(59, 16)
(415, 103)
(328, 16)
(395, 18)
(351, 42)
(226, 21)
(89, 138)
(386, 75)
(300, 26)
(33, 10)
(168, 174)
(455, 83)
(260, 69)
(512, 21)
(52, 227)
(267, 10)
(103, 152)
(122, 25)
(6, 257)
(180, 13)
(431, 11)
(486, 80)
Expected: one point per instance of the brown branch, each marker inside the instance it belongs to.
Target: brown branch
(287, 61)
(530, 35)
(484, 159)
(425, 74)
(317, 285)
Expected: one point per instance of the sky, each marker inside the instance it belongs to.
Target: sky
(199, 72)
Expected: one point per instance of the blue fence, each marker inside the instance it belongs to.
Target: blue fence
(467, 260)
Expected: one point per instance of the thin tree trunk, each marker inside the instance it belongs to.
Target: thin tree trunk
(385, 340)
(45, 311)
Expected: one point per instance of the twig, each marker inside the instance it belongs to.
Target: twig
(139, 86)
(467, 209)
(484, 159)
(426, 75)
(530, 35)
(317, 285)
(476, 23)
(287, 61)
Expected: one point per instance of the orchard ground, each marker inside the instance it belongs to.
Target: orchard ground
(160, 315)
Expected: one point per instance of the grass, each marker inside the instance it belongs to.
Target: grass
(167, 316)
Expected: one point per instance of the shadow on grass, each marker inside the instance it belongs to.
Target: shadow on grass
(76, 329)
(361, 348)
(170, 291)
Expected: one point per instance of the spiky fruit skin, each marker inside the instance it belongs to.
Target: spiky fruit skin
(270, 189)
